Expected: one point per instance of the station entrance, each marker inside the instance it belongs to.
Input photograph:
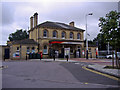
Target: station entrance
(62, 49)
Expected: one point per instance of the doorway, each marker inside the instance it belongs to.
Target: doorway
(66, 52)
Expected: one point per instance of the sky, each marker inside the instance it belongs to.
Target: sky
(16, 15)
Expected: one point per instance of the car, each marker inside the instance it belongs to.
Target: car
(110, 56)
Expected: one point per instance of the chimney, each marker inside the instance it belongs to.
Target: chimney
(31, 22)
(35, 19)
(71, 24)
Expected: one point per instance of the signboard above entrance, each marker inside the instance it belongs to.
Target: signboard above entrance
(64, 42)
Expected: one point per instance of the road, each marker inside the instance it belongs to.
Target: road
(40, 74)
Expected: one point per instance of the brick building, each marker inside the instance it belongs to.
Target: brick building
(19, 49)
(58, 38)
(50, 38)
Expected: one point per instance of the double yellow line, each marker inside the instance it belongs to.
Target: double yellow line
(106, 75)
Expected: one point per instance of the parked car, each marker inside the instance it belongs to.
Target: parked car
(110, 56)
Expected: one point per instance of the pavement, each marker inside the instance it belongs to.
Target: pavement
(99, 65)
(94, 64)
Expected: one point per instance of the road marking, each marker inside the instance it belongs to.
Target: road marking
(106, 75)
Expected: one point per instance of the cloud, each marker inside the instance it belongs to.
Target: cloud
(17, 15)
(7, 13)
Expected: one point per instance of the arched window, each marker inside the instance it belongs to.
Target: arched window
(78, 36)
(63, 35)
(45, 49)
(45, 33)
(55, 34)
(71, 35)
(28, 50)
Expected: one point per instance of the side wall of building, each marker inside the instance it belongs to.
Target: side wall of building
(22, 51)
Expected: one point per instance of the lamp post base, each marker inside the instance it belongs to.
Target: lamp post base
(87, 54)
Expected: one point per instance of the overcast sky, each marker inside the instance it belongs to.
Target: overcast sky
(16, 15)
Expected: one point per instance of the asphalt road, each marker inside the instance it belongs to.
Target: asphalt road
(40, 74)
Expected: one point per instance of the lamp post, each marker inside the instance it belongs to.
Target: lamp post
(86, 36)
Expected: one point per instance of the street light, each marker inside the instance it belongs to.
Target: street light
(86, 36)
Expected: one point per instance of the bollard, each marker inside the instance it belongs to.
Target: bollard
(26, 56)
(40, 57)
(67, 58)
(54, 57)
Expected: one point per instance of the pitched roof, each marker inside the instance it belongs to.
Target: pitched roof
(25, 41)
(49, 24)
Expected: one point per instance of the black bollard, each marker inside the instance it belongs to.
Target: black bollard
(67, 58)
(40, 56)
(26, 56)
(54, 57)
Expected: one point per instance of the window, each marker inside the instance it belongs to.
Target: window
(63, 35)
(55, 34)
(45, 49)
(18, 48)
(45, 33)
(71, 35)
(78, 36)
(33, 49)
(28, 50)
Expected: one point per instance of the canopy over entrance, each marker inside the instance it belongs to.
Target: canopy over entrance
(64, 42)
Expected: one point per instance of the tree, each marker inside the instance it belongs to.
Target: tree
(18, 35)
(101, 41)
(110, 30)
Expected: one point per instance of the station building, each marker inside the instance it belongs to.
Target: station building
(58, 38)
(50, 38)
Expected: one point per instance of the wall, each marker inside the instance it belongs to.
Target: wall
(37, 35)
(22, 51)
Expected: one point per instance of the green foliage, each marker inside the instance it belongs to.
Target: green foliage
(18, 35)
(109, 28)
(101, 41)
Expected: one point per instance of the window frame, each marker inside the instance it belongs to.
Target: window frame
(71, 33)
(46, 34)
(78, 36)
(63, 35)
(55, 33)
